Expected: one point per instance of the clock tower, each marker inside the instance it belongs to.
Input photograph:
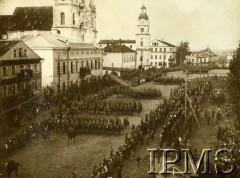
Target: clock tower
(143, 39)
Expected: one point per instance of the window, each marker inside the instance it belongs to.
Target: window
(35, 68)
(73, 18)
(170, 49)
(160, 57)
(151, 63)
(87, 53)
(76, 53)
(71, 53)
(14, 89)
(151, 49)
(10, 90)
(81, 64)
(155, 63)
(141, 43)
(160, 50)
(155, 56)
(13, 70)
(164, 57)
(82, 53)
(62, 18)
(155, 49)
(64, 68)
(164, 49)
(64, 86)
(130, 46)
(159, 63)
(4, 71)
(99, 64)
(142, 30)
(20, 52)
(96, 67)
(72, 67)
(25, 53)
(87, 64)
(4, 91)
(151, 56)
(91, 65)
(76, 66)
(14, 53)
(64, 53)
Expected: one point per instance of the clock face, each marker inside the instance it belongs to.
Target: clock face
(142, 22)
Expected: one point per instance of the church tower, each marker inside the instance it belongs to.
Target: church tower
(143, 39)
(75, 19)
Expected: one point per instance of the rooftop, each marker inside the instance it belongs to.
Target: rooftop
(6, 45)
(28, 18)
(118, 49)
(116, 41)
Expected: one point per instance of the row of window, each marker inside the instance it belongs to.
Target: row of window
(158, 63)
(129, 59)
(160, 57)
(201, 60)
(13, 70)
(76, 65)
(77, 53)
(19, 53)
(160, 50)
(15, 89)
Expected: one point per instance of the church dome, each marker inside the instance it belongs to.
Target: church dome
(143, 7)
(143, 16)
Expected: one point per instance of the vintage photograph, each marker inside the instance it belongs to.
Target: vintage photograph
(119, 89)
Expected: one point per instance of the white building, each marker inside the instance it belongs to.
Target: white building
(162, 54)
(72, 57)
(147, 55)
(229, 58)
(203, 57)
(118, 57)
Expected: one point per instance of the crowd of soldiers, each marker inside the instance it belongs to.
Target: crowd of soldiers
(170, 115)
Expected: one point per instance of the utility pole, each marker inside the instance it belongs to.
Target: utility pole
(186, 94)
(59, 92)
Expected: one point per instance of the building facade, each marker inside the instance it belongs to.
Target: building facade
(203, 57)
(72, 19)
(72, 57)
(20, 72)
(162, 54)
(118, 57)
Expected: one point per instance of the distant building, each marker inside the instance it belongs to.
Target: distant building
(163, 54)
(203, 57)
(73, 56)
(20, 72)
(229, 58)
(118, 57)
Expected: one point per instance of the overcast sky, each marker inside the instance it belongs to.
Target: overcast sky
(213, 23)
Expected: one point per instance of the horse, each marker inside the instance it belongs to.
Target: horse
(71, 134)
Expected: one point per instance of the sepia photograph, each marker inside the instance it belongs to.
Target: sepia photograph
(119, 89)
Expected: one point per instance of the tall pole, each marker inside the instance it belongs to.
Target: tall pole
(186, 95)
(59, 92)
(200, 68)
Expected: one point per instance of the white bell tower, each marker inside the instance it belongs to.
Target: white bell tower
(143, 39)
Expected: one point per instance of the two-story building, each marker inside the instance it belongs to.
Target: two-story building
(71, 56)
(20, 72)
(203, 57)
(118, 57)
(162, 54)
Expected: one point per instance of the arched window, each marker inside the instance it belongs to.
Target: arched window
(141, 43)
(73, 18)
(62, 18)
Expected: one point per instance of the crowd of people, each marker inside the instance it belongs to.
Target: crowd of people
(170, 115)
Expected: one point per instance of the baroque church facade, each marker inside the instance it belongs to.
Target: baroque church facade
(73, 19)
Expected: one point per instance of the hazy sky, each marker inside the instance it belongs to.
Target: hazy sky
(213, 23)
